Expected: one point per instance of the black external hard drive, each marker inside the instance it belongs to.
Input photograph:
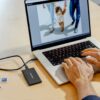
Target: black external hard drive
(31, 76)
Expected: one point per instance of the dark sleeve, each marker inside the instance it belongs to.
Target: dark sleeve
(92, 97)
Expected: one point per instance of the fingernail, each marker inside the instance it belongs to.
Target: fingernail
(62, 63)
(88, 57)
(82, 54)
(70, 57)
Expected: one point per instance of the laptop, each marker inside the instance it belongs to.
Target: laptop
(58, 29)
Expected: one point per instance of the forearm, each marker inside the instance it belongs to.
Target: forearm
(85, 90)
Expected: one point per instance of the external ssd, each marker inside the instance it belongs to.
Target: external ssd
(31, 76)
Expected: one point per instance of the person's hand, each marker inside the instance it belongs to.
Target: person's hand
(93, 56)
(65, 6)
(77, 71)
(79, 74)
(65, 3)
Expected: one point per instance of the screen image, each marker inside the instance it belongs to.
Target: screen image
(55, 21)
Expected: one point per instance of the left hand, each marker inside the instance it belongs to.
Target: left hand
(93, 56)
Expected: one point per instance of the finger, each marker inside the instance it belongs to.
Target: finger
(76, 69)
(78, 66)
(90, 66)
(74, 61)
(93, 54)
(68, 61)
(91, 49)
(91, 60)
(65, 66)
(69, 72)
(79, 60)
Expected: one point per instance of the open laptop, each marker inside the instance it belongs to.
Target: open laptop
(58, 30)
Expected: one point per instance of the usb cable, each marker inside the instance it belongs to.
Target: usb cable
(17, 56)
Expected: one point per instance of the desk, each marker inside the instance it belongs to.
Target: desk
(17, 89)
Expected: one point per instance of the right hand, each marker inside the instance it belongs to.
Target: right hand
(93, 56)
(77, 71)
(79, 74)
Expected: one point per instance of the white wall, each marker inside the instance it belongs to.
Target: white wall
(97, 1)
(14, 37)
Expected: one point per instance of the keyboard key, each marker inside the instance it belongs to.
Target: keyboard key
(57, 56)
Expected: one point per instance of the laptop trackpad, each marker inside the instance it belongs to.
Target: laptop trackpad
(61, 75)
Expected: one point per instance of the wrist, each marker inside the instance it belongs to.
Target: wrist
(85, 89)
(81, 83)
(83, 86)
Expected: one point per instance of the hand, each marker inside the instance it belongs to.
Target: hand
(93, 56)
(65, 3)
(79, 74)
(77, 71)
(65, 6)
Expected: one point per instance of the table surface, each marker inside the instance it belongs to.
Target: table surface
(16, 87)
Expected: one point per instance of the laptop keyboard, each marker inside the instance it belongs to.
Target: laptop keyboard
(57, 56)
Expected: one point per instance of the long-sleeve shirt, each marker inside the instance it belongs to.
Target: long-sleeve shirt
(92, 97)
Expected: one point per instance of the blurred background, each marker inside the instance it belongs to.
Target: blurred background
(14, 37)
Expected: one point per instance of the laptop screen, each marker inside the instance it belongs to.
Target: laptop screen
(52, 22)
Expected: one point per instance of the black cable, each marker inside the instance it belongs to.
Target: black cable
(24, 63)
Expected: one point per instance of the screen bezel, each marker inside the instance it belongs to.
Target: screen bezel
(58, 42)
